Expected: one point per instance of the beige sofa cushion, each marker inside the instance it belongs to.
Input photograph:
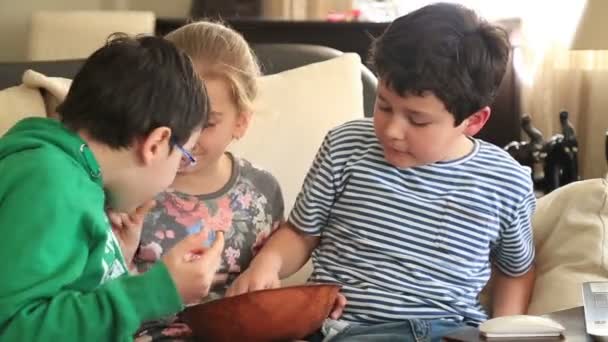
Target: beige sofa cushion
(570, 237)
(76, 34)
(17, 103)
(294, 111)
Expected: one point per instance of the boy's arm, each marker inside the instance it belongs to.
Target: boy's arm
(287, 251)
(112, 312)
(292, 244)
(45, 248)
(284, 253)
(511, 295)
(513, 261)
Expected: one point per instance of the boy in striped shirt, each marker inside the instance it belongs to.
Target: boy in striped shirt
(408, 212)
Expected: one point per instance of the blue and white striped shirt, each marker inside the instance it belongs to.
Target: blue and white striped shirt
(414, 242)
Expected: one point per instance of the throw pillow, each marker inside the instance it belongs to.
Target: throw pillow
(570, 238)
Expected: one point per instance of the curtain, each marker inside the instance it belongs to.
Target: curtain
(555, 78)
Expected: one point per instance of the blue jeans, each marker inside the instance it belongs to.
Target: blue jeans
(414, 330)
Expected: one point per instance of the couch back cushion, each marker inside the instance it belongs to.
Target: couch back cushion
(58, 35)
(17, 103)
(570, 238)
(293, 112)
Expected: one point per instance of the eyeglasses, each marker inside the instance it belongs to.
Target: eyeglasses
(187, 158)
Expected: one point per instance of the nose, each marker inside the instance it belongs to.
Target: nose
(396, 128)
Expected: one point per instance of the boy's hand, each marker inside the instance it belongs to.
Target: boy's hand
(339, 305)
(253, 279)
(127, 228)
(256, 277)
(192, 267)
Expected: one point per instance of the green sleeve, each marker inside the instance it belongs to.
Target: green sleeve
(48, 235)
(112, 312)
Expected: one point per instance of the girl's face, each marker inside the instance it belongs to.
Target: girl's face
(225, 124)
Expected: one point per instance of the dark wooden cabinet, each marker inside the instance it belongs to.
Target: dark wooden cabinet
(344, 36)
(225, 8)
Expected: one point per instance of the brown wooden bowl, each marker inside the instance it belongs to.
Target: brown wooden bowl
(282, 314)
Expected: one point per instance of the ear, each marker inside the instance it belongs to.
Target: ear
(241, 125)
(156, 145)
(474, 123)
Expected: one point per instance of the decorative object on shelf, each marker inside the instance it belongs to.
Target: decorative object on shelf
(383, 11)
(530, 153)
(554, 163)
(561, 163)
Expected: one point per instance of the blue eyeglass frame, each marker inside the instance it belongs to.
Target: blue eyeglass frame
(186, 154)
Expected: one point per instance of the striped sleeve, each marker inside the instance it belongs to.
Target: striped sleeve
(316, 198)
(514, 253)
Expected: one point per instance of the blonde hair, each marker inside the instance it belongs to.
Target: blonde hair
(218, 50)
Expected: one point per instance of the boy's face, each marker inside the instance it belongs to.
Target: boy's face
(418, 130)
(155, 169)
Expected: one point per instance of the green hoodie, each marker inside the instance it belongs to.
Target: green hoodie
(63, 277)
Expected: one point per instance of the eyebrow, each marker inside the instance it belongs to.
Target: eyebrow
(410, 111)
(417, 113)
(381, 98)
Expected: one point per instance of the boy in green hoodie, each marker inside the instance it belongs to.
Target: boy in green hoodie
(132, 113)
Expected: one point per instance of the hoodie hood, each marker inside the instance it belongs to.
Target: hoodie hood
(35, 133)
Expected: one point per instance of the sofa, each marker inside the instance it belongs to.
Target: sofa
(306, 91)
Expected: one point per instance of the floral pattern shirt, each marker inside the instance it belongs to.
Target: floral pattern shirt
(247, 209)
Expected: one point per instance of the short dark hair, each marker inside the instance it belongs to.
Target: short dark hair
(133, 85)
(445, 49)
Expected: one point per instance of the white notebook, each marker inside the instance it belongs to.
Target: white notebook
(595, 302)
(520, 326)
